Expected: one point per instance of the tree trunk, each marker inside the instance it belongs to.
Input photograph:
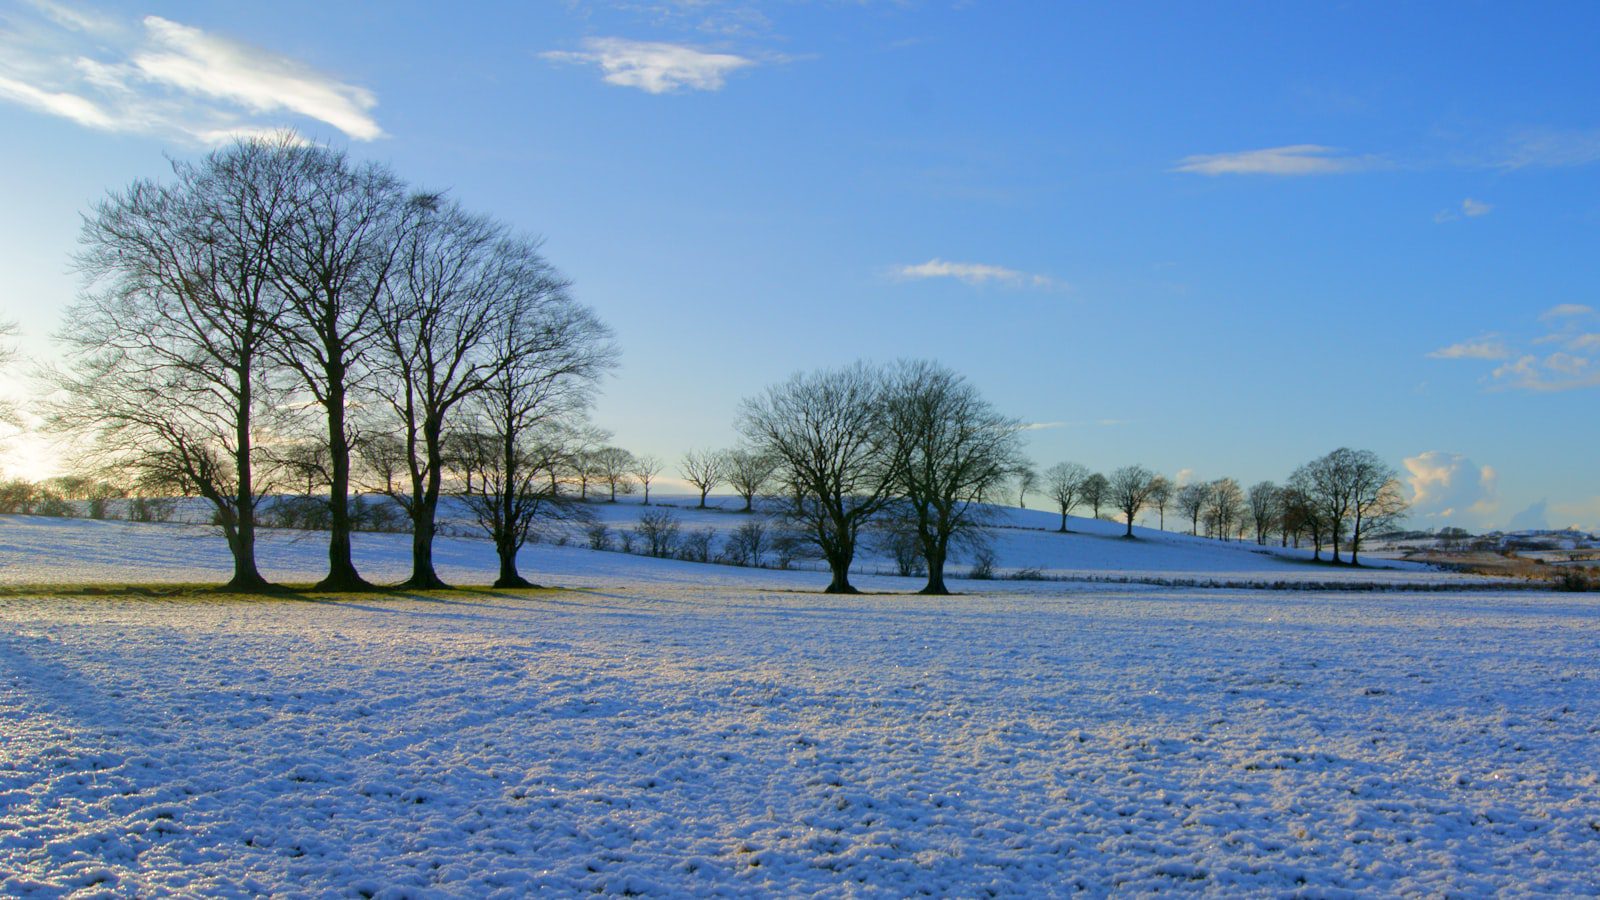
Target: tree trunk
(1063, 522)
(246, 576)
(425, 509)
(749, 502)
(1129, 532)
(935, 560)
(839, 565)
(342, 574)
(509, 577)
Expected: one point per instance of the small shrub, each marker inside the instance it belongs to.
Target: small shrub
(1575, 578)
(982, 565)
(625, 539)
(599, 536)
(658, 531)
(54, 506)
(695, 546)
(152, 509)
(748, 544)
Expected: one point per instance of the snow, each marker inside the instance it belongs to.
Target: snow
(36, 550)
(670, 728)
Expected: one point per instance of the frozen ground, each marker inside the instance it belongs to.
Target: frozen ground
(673, 728)
(35, 550)
(659, 736)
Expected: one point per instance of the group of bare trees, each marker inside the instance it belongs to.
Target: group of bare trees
(1335, 501)
(280, 311)
(913, 447)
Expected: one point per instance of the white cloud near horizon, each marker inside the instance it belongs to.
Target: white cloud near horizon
(654, 67)
(975, 274)
(1294, 159)
(1451, 487)
(163, 77)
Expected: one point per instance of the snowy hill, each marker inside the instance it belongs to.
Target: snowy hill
(42, 550)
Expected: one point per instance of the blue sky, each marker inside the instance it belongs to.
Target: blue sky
(1217, 239)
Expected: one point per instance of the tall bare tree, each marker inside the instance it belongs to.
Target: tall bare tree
(1225, 507)
(170, 345)
(1130, 488)
(1064, 483)
(8, 353)
(837, 469)
(331, 265)
(1027, 481)
(705, 470)
(1161, 491)
(457, 279)
(749, 474)
(954, 455)
(645, 469)
(1265, 504)
(1191, 501)
(554, 351)
(613, 467)
(1096, 492)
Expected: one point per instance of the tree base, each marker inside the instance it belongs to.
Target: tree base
(349, 584)
(514, 581)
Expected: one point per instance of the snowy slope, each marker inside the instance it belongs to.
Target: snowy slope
(664, 737)
(36, 550)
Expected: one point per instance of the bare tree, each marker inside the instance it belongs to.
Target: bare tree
(826, 427)
(749, 473)
(1192, 500)
(1225, 507)
(1348, 488)
(555, 350)
(1161, 491)
(170, 344)
(1129, 491)
(613, 467)
(645, 469)
(456, 279)
(1264, 504)
(1027, 481)
(331, 264)
(8, 353)
(1376, 497)
(705, 469)
(1064, 483)
(1096, 492)
(954, 452)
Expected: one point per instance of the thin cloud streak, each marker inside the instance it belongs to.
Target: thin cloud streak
(975, 274)
(652, 66)
(1291, 160)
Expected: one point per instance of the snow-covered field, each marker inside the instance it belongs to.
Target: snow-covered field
(35, 550)
(682, 729)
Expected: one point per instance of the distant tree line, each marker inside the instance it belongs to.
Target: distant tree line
(1335, 501)
(279, 314)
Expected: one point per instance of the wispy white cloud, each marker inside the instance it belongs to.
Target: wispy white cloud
(1486, 347)
(653, 66)
(1295, 159)
(1091, 423)
(976, 274)
(1565, 311)
(1569, 360)
(1552, 149)
(158, 76)
(261, 81)
(1469, 209)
